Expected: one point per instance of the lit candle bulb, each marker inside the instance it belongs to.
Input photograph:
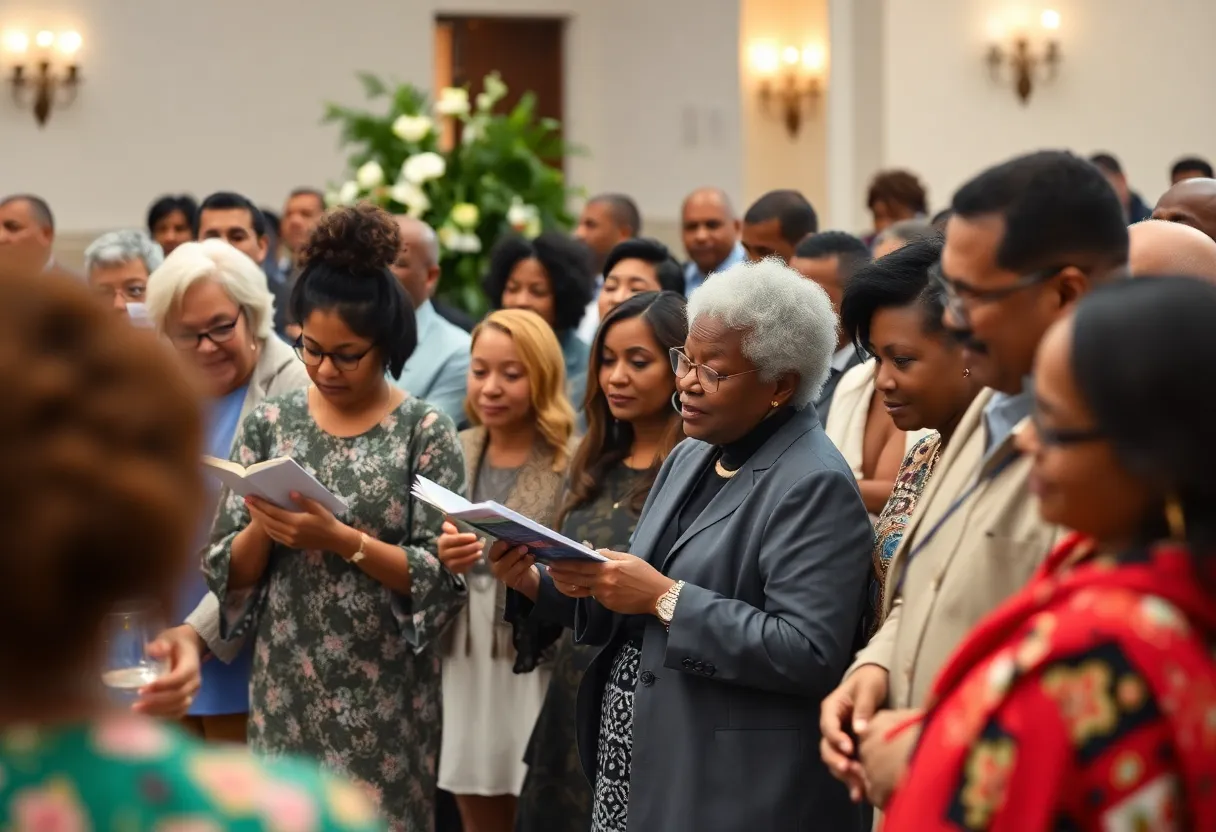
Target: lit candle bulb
(45, 39)
(70, 43)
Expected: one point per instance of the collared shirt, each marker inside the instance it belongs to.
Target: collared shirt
(1005, 411)
(842, 357)
(694, 277)
(591, 315)
(438, 369)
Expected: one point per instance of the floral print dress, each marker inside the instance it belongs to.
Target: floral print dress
(345, 670)
(129, 774)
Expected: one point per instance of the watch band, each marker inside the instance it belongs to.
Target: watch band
(665, 607)
(361, 553)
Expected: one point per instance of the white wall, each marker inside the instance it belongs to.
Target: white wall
(773, 158)
(198, 96)
(1134, 81)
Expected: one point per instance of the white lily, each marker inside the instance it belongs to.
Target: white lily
(423, 167)
(369, 175)
(412, 197)
(348, 193)
(453, 101)
(412, 128)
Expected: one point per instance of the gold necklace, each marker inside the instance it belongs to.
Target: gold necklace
(722, 471)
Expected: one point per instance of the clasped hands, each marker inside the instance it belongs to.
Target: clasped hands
(313, 527)
(624, 584)
(864, 747)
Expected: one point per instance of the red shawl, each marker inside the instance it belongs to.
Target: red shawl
(1087, 701)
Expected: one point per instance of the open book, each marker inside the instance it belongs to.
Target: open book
(274, 481)
(502, 523)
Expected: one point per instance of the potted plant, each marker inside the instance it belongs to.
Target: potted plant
(496, 178)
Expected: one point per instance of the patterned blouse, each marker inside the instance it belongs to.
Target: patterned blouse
(915, 471)
(124, 772)
(1086, 702)
(346, 671)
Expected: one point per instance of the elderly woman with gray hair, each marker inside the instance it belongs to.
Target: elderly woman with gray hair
(740, 605)
(211, 302)
(117, 266)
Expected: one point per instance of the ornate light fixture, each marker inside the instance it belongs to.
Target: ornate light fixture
(37, 76)
(1022, 58)
(791, 80)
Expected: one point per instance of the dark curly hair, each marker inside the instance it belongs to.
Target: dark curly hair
(100, 492)
(346, 263)
(898, 187)
(666, 268)
(566, 261)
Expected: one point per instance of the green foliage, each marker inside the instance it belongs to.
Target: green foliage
(497, 179)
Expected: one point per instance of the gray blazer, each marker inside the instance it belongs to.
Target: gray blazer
(278, 371)
(726, 711)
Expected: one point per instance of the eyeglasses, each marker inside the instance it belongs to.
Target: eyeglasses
(344, 362)
(709, 378)
(960, 296)
(132, 294)
(218, 334)
(1063, 437)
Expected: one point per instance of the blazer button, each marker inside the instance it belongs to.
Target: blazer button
(698, 666)
(687, 663)
(647, 678)
(709, 670)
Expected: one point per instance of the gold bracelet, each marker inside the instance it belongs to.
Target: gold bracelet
(361, 553)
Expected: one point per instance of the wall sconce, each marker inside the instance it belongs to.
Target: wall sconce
(37, 75)
(1021, 57)
(788, 78)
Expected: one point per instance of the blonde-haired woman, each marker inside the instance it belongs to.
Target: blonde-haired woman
(211, 302)
(516, 453)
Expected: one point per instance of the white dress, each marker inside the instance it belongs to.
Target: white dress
(488, 711)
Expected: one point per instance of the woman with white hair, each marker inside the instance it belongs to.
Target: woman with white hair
(211, 302)
(117, 265)
(738, 610)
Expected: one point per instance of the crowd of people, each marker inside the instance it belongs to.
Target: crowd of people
(909, 528)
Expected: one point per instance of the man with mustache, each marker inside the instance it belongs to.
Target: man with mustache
(1026, 239)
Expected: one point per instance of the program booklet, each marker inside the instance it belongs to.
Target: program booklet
(274, 481)
(502, 523)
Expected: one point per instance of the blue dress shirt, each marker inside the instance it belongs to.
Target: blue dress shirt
(693, 277)
(225, 687)
(438, 370)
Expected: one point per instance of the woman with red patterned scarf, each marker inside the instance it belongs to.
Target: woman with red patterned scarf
(1088, 701)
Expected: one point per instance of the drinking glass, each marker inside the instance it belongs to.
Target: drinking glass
(127, 666)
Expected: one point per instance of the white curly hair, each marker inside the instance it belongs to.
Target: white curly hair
(787, 321)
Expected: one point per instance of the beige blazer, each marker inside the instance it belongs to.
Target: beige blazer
(978, 557)
(846, 425)
(278, 371)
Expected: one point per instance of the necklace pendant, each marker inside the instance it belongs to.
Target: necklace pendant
(722, 471)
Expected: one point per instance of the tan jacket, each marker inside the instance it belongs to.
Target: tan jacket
(978, 557)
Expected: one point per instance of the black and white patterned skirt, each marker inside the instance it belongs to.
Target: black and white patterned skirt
(610, 808)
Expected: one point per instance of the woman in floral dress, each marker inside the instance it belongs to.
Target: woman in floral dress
(344, 610)
(892, 310)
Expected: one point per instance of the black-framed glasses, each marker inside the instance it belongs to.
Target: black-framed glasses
(710, 378)
(218, 334)
(344, 362)
(1063, 437)
(960, 296)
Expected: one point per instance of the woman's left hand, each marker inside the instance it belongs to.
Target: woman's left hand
(314, 527)
(625, 584)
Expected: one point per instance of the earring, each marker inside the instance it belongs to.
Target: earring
(775, 403)
(966, 372)
(1175, 518)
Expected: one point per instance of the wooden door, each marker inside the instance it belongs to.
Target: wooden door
(528, 52)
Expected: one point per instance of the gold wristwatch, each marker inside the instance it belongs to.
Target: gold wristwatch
(665, 607)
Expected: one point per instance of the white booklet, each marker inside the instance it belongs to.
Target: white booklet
(274, 481)
(502, 523)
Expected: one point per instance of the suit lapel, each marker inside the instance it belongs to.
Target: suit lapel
(669, 500)
(728, 500)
